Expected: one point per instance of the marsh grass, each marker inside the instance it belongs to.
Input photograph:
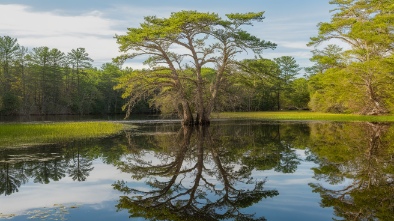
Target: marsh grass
(304, 116)
(29, 134)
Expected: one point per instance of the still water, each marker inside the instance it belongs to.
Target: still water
(233, 170)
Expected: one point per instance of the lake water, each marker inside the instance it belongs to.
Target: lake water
(232, 170)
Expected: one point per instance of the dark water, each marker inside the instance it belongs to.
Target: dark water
(58, 118)
(233, 170)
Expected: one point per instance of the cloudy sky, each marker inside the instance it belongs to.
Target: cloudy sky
(92, 24)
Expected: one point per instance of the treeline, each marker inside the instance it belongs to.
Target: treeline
(46, 81)
(251, 85)
(264, 85)
(357, 79)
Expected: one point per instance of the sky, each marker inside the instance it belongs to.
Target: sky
(92, 24)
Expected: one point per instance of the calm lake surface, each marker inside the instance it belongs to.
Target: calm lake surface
(233, 170)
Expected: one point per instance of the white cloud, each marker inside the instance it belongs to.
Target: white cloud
(95, 30)
(65, 32)
(135, 65)
(20, 21)
(294, 44)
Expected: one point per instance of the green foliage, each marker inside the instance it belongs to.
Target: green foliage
(343, 90)
(299, 94)
(143, 85)
(207, 40)
(360, 79)
(46, 81)
(332, 92)
(264, 84)
(9, 49)
(247, 17)
(106, 99)
(288, 69)
(10, 103)
(256, 79)
(330, 57)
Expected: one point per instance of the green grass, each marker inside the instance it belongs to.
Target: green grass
(303, 116)
(30, 134)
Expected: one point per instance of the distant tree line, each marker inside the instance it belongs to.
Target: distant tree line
(47, 81)
(208, 77)
(265, 85)
(44, 81)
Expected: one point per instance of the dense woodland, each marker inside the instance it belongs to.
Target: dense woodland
(44, 81)
(48, 81)
(353, 76)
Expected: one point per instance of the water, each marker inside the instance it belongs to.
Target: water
(249, 170)
(59, 118)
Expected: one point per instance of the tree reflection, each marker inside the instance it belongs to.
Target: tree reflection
(264, 146)
(46, 167)
(43, 165)
(79, 166)
(196, 177)
(11, 178)
(18, 165)
(360, 157)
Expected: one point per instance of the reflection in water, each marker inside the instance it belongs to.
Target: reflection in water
(203, 173)
(79, 166)
(228, 171)
(12, 176)
(42, 165)
(45, 164)
(365, 158)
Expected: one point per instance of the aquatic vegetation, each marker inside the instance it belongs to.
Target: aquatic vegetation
(29, 134)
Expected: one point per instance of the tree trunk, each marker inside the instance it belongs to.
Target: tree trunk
(203, 119)
(374, 106)
(187, 117)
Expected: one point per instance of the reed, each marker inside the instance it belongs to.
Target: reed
(303, 116)
(29, 134)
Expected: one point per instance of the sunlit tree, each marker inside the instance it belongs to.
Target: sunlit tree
(365, 26)
(178, 49)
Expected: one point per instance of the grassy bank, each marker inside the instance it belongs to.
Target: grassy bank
(303, 115)
(29, 134)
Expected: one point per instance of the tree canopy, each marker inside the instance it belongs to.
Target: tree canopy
(178, 50)
(46, 81)
(362, 74)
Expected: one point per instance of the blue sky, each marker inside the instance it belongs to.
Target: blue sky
(92, 24)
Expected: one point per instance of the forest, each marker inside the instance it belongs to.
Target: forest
(352, 74)
(45, 81)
